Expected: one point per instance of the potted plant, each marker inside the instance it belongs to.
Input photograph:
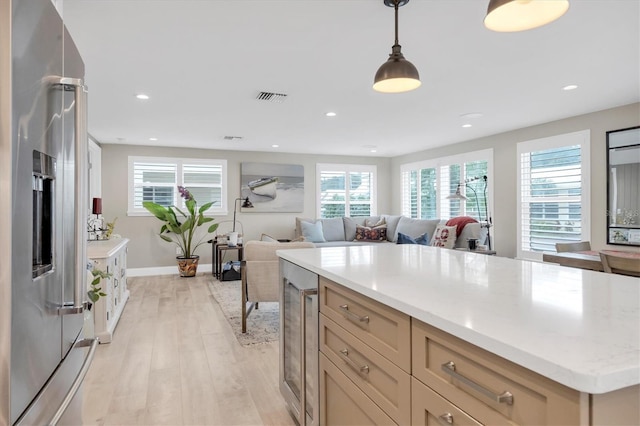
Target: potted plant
(182, 230)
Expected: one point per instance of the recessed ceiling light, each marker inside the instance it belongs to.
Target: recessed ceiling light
(374, 150)
(275, 146)
(142, 96)
(466, 125)
(570, 87)
(331, 114)
(471, 115)
(153, 139)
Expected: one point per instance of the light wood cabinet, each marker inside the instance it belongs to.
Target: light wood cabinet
(369, 345)
(109, 256)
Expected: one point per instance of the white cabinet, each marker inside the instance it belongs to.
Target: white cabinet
(109, 256)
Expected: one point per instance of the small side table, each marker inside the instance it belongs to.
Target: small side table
(218, 250)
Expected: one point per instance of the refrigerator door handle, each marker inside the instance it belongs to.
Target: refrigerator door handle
(93, 344)
(81, 194)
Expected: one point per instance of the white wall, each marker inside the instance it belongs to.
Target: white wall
(505, 161)
(146, 249)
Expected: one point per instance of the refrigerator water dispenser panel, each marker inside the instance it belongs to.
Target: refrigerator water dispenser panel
(44, 170)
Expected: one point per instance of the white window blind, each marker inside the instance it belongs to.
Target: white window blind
(427, 184)
(157, 180)
(346, 190)
(553, 193)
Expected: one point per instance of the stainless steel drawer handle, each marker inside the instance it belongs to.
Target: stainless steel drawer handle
(364, 369)
(351, 315)
(450, 369)
(447, 418)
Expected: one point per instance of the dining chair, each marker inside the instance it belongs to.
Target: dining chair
(578, 246)
(620, 264)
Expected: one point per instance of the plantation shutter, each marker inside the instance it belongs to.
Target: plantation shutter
(204, 181)
(553, 193)
(346, 190)
(154, 182)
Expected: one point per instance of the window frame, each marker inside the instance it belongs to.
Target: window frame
(582, 138)
(215, 210)
(347, 168)
(443, 184)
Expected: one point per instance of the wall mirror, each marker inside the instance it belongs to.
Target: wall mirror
(623, 187)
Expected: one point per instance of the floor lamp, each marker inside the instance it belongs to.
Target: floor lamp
(460, 196)
(233, 235)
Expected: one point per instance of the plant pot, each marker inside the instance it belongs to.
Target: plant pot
(188, 266)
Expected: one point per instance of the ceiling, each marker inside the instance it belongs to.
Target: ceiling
(203, 63)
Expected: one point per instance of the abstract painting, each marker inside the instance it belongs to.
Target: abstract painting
(276, 188)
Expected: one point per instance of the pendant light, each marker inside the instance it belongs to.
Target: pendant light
(397, 74)
(520, 15)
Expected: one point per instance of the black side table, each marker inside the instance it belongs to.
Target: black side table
(217, 254)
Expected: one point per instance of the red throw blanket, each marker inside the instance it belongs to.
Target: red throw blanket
(461, 222)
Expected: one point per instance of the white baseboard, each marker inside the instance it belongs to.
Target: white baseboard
(163, 270)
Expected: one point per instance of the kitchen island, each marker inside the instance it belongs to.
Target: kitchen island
(577, 329)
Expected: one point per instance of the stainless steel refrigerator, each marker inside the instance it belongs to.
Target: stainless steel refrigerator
(43, 178)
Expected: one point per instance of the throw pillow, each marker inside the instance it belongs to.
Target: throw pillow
(364, 233)
(269, 238)
(405, 239)
(312, 232)
(460, 222)
(445, 236)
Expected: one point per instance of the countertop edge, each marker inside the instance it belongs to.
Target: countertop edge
(580, 381)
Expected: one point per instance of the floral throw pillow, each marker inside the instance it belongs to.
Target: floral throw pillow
(364, 233)
(445, 236)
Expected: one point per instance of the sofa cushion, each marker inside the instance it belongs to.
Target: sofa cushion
(405, 239)
(365, 233)
(444, 236)
(392, 225)
(333, 229)
(416, 227)
(312, 232)
(351, 222)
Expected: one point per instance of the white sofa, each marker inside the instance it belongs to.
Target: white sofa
(341, 231)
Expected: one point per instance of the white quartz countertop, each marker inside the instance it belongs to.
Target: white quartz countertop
(104, 248)
(580, 328)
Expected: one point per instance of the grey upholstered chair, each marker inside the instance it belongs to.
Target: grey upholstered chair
(260, 274)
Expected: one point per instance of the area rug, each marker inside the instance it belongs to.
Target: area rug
(263, 324)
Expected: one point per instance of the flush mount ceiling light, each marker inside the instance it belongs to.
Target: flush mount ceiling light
(521, 15)
(397, 75)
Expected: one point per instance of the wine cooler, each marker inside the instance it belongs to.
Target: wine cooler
(299, 342)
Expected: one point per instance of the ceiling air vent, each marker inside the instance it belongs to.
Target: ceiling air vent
(232, 138)
(271, 97)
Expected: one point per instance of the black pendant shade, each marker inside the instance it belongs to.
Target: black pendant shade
(397, 75)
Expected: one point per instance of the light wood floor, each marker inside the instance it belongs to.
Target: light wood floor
(175, 361)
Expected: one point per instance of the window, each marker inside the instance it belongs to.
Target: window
(553, 193)
(157, 180)
(427, 184)
(346, 190)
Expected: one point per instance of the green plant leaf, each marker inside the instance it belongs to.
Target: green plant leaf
(213, 227)
(205, 207)
(167, 239)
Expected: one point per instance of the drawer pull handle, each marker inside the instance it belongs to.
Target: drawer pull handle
(360, 369)
(447, 418)
(450, 369)
(345, 310)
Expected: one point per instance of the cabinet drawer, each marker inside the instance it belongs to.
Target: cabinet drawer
(382, 381)
(381, 327)
(429, 408)
(475, 374)
(342, 403)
